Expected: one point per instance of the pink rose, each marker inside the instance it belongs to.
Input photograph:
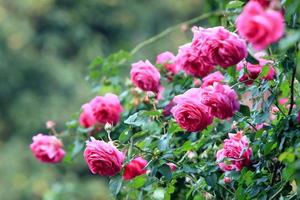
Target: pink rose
(172, 166)
(135, 168)
(221, 99)
(106, 109)
(235, 154)
(145, 76)
(193, 61)
(86, 118)
(255, 69)
(221, 46)
(260, 27)
(190, 113)
(103, 158)
(212, 78)
(47, 149)
(167, 59)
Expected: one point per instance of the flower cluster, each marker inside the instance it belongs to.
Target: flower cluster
(235, 154)
(207, 56)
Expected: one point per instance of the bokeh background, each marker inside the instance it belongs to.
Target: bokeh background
(45, 49)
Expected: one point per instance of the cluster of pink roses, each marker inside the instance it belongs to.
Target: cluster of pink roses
(258, 24)
(195, 109)
(106, 160)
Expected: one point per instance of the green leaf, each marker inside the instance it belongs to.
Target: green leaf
(244, 110)
(137, 119)
(234, 4)
(138, 181)
(269, 147)
(124, 136)
(165, 171)
(163, 143)
(174, 128)
(251, 59)
(290, 40)
(288, 172)
(265, 70)
(115, 184)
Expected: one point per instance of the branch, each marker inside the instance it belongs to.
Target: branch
(172, 28)
(292, 90)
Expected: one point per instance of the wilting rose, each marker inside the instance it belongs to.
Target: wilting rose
(190, 113)
(135, 168)
(86, 118)
(172, 166)
(193, 61)
(235, 154)
(145, 76)
(260, 27)
(103, 158)
(254, 70)
(221, 46)
(221, 99)
(212, 78)
(47, 149)
(167, 59)
(106, 109)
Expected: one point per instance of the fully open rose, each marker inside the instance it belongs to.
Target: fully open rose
(103, 158)
(47, 148)
(145, 76)
(258, 26)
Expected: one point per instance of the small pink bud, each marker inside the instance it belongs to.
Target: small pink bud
(50, 124)
(227, 179)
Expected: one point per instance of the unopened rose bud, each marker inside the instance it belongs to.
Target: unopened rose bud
(50, 124)
(108, 127)
(227, 179)
(184, 27)
(191, 155)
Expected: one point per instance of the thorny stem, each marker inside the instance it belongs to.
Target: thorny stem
(172, 28)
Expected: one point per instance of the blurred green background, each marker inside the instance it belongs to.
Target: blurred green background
(46, 46)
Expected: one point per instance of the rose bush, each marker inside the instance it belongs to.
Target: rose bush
(166, 134)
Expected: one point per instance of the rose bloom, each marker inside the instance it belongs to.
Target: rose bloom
(193, 61)
(172, 166)
(106, 109)
(221, 99)
(103, 158)
(255, 69)
(221, 46)
(145, 76)
(135, 168)
(235, 154)
(190, 113)
(47, 149)
(212, 78)
(264, 3)
(86, 118)
(260, 27)
(167, 59)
